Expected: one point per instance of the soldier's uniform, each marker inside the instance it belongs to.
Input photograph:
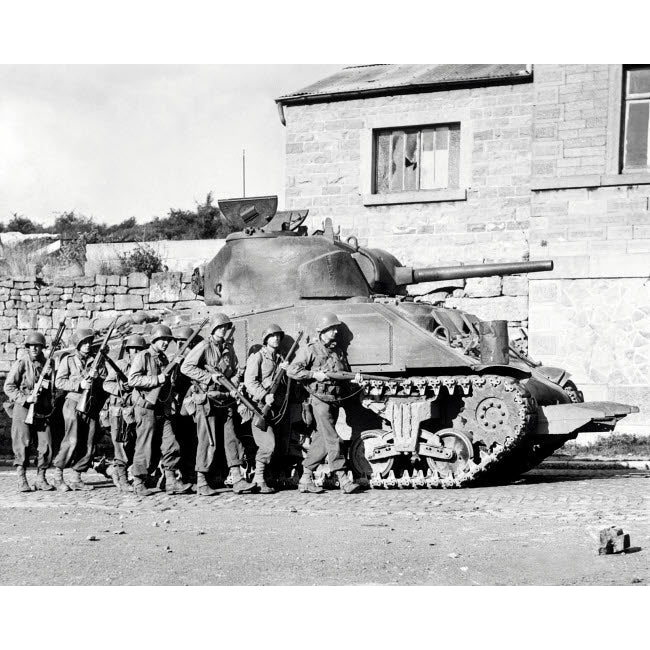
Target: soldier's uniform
(154, 434)
(213, 407)
(122, 414)
(18, 387)
(78, 444)
(261, 369)
(325, 399)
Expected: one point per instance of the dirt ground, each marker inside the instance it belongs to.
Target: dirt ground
(541, 530)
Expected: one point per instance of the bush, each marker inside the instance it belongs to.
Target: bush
(143, 259)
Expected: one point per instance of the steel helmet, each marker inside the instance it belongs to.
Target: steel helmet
(161, 332)
(34, 338)
(135, 341)
(184, 333)
(220, 319)
(82, 335)
(273, 328)
(326, 320)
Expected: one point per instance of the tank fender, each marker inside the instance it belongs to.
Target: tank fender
(504, 371)
(563, 419)
(558, 376)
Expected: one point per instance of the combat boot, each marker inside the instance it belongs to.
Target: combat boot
(77, 484)
(260, 481)
(173, 485)
(41, 482)
(202, 486)
(347, 485)
(120, 479)
(239, 484)
(140, 489)
(306, 483)
(23, 485)
(59, 483)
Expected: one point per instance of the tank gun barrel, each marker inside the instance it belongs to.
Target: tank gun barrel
(407, 275)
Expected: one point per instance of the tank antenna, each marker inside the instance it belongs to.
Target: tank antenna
(243, 171)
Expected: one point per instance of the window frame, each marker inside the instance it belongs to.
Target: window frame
(415, 120)
(626, 101)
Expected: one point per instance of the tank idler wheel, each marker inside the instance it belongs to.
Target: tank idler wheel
(362, 452)
(463, 453)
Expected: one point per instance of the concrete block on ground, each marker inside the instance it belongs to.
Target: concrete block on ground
(613, 540)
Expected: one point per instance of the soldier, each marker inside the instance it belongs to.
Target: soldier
(73, 376)
(261, 369)
(18, 387)
(182, 422)
(154, 433)
(122, 412)
(311, 365)
(212, 406)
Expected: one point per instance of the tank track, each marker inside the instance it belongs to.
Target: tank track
(494, 448)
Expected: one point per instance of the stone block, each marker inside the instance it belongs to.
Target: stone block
(165, 287)
(101, 280)
(5, 366)
(514, 285)
(188, 304)
(85, 281)
(26, 320)
(43, 322)
(121, 289)
(483, 287)
(7, 282)
(7, 323)
(128, 301)
(112, 280)
(137, 280)
(4, 336)
(138, 292)
(85, 298)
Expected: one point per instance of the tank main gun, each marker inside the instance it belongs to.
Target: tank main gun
(385, 274)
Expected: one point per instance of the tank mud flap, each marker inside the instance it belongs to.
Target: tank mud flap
(562, 419)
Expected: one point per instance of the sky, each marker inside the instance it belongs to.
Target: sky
(116, 141)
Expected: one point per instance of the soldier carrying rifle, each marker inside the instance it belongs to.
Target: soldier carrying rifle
(311, 366)
(26, 376)
(121, 410)
(213, 406)
(80, 375)
(149, 376)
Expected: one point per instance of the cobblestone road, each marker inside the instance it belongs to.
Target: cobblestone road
(542, 529)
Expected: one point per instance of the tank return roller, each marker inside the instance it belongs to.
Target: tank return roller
(406, 275)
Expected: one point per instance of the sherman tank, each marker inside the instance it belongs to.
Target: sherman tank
(449, 401)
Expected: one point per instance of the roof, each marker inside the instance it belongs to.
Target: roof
(385, 79)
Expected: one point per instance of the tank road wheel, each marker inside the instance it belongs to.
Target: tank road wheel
(459, 463)
(361, 453)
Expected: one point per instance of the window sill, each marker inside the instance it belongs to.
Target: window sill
(591, 180)
(424, 196)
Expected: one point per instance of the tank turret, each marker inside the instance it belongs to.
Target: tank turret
(450, 402)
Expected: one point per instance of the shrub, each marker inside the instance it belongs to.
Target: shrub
(143, 259)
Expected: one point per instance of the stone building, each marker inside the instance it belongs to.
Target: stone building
(444, 164)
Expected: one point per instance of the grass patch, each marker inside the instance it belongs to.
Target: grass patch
(618, 444)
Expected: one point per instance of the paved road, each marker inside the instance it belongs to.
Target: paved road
(541, 530)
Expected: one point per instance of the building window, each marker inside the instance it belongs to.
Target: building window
(416, 158)
(636, 148)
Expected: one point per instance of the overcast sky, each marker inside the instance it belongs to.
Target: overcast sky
(117, 141)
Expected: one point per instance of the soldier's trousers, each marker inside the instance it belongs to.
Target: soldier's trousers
(122, 451)
(325, 442)
(274, 442)
(78, 444)
(154, 441)
(21, 434)
(214, 428)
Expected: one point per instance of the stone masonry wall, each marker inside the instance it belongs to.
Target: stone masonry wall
(93, 301)
(324, 174)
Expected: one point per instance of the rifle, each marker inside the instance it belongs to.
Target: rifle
(153, 396)
(85, 403)
(241, 398)
(261, 423)
(120, 375)
(38, 386)
(342, 375)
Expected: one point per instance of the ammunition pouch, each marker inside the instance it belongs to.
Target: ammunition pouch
(307, 414)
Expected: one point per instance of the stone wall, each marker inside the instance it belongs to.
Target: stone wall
(89, 301)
